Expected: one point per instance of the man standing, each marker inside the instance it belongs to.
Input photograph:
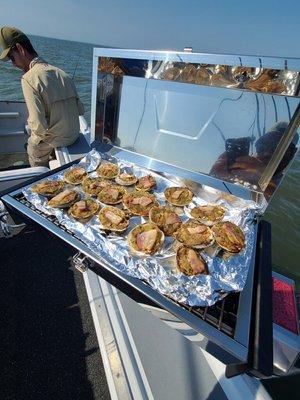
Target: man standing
(50, 95)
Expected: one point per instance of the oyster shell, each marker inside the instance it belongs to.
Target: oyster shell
(113, 219)
(108, 170)
(146, 183)
(189, 262)
(93, 186)
(83, 210)
(48, 188)
(178, 196)
(139, 202)
(166, 219)
(75, 176)
(195, 234)
(229, 236)
(64, 199)
(126, 179)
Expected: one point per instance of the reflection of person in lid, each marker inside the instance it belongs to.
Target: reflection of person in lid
(50, 95)
(249, 168)
(133, 67)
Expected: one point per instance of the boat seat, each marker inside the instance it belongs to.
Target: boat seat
(22, 173)
(9, 115)
(19, 176)
(76, 150)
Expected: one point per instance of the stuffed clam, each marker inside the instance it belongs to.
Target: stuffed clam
(190, 262)
(178, 196)
(48, 188)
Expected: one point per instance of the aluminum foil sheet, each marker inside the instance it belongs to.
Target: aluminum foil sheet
(226, 273)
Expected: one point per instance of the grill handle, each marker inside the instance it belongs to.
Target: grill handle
(261, 331)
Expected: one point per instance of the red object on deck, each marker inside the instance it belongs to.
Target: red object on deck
(284, 306)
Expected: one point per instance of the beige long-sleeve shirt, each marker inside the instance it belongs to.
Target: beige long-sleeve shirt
(53, 104)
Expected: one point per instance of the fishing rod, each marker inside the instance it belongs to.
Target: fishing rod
(75, 69)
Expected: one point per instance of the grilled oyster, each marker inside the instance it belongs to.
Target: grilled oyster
(111, 194)
(139, 203)
(194, 234)
(108, 170)
(93, 186)
(48, 188)
(126, 179)
(83, 210)
(229, 236)
(113, 219)
(146, 238)
(189, 262)
(64, 199)
(166, 219)
(75, 176)
(147, 182)
(208, 214)
(178, 196)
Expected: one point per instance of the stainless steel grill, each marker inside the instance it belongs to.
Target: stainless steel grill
(180, 127)
(222, 315)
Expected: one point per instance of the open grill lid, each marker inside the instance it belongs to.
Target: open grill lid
(230, 120)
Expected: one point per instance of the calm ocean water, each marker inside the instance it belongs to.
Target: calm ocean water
(76, 58)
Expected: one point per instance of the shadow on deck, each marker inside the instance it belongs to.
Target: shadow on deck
(49, 347)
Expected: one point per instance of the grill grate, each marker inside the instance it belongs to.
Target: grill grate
(22, 199)
(222, 315)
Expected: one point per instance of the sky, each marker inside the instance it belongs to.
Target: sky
(266, 27)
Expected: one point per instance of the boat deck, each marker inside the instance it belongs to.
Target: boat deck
(50, 349)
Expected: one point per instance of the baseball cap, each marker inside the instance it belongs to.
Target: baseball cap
(9, 36)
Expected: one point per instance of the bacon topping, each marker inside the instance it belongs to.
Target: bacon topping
(61, 196)
(95, 185)
(172, 219)
(81, 205)
(145, 181)
(197, 229)
(197, 265)
(233, 234)
(177, 194)
(146, 240)
(142, 201)
(114, 193)
(114, 218)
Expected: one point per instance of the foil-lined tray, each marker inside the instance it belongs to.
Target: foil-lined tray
(226, 272)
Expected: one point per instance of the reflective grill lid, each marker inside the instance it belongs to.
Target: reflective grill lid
(233, 118)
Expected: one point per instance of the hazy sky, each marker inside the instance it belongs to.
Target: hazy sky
(266, 27)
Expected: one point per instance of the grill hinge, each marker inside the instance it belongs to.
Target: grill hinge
(8, 228)
(81, 262)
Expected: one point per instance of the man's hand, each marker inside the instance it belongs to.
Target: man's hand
(246, 168)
